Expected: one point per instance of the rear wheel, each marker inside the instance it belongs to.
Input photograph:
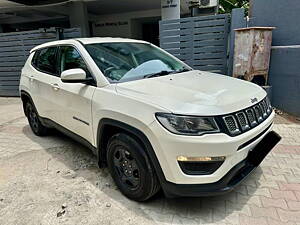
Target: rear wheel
(130, 168)
(34, 121)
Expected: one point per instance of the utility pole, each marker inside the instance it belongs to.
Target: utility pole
(250, 8)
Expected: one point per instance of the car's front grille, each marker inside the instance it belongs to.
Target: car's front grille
(244, 120)
(258, 113)
(232, 124)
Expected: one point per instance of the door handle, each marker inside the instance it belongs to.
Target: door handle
(31, 77)
(55, 87)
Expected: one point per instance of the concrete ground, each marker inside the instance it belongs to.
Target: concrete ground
(53, 180)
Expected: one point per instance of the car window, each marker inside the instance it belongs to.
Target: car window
(125, 61)
(45, 60)
(71, 59)
(35, 58)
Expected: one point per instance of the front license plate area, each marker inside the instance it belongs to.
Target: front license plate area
(262, 149)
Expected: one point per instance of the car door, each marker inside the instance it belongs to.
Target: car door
(74, 100)
(44, 74)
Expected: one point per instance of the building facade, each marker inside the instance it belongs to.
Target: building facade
(127, 18)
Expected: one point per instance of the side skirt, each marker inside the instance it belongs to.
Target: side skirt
(51, 124)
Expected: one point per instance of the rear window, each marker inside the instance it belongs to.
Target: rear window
(45, 60)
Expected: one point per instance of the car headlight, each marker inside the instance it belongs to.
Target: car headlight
(187, 125)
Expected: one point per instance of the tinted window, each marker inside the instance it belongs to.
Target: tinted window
(35, 58)
(71, 59)
(45, 60)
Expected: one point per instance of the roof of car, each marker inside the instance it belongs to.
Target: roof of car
(92, 40)
(107, 39)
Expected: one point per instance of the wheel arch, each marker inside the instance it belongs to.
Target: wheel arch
(25, 97)
(104, 132)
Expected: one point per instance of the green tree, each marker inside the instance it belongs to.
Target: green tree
(226, 6)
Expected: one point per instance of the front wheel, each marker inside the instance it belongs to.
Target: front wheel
(34, 121)
(130, 168)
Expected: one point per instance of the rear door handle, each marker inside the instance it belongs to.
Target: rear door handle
(31, 77)
(55, 87)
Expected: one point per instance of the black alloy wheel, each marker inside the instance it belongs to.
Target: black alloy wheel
(34, 121)
(131, 168)
(127, 168)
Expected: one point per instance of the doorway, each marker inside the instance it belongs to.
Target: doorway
(146, 29)
(150, 32)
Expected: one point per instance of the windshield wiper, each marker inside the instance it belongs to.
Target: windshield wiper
(165, 72)
(161, 73)
(181, 70)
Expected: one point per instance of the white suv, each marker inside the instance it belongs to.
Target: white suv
(149, 117)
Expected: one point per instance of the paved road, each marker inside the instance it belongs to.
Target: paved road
(53, 180)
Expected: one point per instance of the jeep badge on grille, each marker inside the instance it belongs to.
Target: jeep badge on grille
(253, 100)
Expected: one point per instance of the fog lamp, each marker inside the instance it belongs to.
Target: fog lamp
(200, 159)
(200, 165)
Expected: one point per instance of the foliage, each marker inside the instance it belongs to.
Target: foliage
(226, 6)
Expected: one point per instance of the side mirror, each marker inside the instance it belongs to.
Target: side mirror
(73, 76)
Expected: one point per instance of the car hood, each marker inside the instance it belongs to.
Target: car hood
(194, 93)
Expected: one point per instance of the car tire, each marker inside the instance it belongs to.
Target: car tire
(34, 121)
(131, 169)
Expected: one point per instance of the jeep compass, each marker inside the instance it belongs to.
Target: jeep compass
(150, 118)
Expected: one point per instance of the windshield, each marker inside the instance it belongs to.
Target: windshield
(126, 61)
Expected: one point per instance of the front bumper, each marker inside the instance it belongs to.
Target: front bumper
(167, 147)
(237, 174)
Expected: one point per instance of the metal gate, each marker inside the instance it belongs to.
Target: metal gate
(201, 42)
(15, 48)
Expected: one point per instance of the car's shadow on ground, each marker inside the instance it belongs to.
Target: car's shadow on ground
(82, 163)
